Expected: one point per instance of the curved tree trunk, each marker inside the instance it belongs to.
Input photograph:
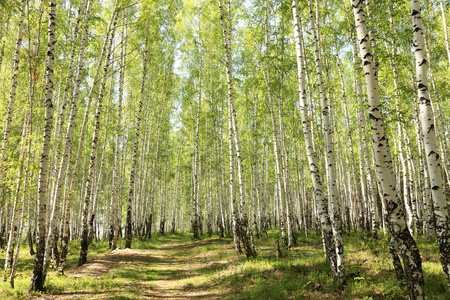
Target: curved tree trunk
(16, 204)
(407, 246)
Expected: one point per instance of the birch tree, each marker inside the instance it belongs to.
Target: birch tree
(38, 277)
(67, 150)
(196, 170)
(115, 219)
(330, 159)
(84, 240)
(12, 99)
(240, 225)
(407, 246)
(131, 192)
(426, 116)
(275, 134)
(322, 211)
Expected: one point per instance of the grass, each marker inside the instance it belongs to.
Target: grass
(175, 265)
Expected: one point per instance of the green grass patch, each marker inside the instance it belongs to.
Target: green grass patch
(209, 267)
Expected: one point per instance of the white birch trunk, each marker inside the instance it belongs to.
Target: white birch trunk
(330, 159)
(67, 149)
(93, 156)
(256, 176)
(38, 277)
(3, 41)
(133, 170)
(16, 204)
(444, 21)
(275, 136)
(407, 246)
(321, 202)
(12, 100)
(239, 222)
(243, 220)
(12, 275)
(431, 150)
(71, 179)
(196, 198)
(115, 181)
(175, 196)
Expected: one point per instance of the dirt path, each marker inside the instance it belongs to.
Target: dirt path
(170, 271)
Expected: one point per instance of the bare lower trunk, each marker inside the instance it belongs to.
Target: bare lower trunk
(71, 180)
(196, 185)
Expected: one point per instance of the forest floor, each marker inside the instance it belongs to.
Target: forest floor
(174, 266)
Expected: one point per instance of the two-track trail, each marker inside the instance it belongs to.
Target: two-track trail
(171, 270)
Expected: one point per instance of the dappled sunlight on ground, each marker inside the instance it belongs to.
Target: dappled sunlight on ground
(175, 266)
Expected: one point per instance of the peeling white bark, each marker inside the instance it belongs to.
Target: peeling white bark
(426, 116)
(407, 246)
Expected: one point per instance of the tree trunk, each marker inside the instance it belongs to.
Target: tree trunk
(71, 180)
(242, 216)
(98, 185)
(67, 149)
(408, 249)
(431, 151)
(330, 159)
(93, 156)
(133, 169)
(3, 41)
(196, 184)
(19, 238)
(38, 277)
(177, 178)
(12, 99)
(321, 202)
(275, 136)
(114, 222)
(16, 204)
(444, 20)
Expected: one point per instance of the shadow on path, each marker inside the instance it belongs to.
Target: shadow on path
(165, 272)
